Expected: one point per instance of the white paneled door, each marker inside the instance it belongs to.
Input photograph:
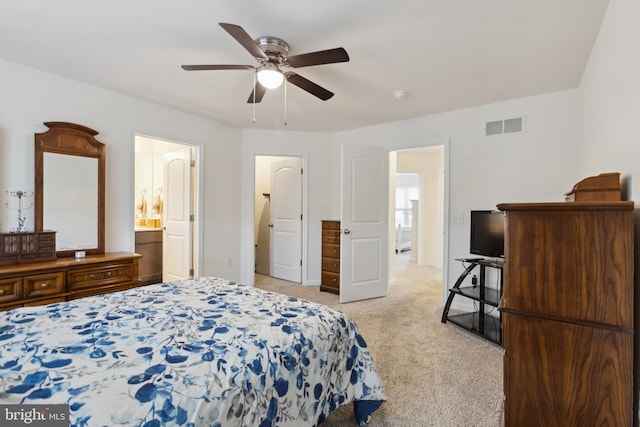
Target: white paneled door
(176, 215)
(364, 223)
(285, 252)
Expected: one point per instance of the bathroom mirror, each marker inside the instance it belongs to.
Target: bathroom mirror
(69, 187)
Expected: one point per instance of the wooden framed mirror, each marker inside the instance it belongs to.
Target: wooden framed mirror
(69, 187)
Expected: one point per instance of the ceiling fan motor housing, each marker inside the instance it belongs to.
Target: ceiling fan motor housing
(276, 49)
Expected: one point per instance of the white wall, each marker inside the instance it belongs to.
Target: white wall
(610, 96)
(31, 97)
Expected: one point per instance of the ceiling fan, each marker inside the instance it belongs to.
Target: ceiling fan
(271, 54)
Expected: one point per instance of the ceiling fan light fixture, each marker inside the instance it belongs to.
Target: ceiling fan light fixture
(270, 76)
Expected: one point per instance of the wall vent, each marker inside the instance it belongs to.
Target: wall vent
(499, 127)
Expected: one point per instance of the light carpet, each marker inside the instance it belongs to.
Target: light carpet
(434, 374)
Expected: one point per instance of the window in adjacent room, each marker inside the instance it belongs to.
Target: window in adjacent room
(407, 189)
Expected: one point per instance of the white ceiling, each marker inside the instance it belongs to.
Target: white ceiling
(446, 54)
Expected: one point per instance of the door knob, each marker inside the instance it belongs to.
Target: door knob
(347, 231)
(270, 225)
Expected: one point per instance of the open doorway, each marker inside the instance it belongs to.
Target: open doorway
(419, 207)
(278, 217)
(165, 204)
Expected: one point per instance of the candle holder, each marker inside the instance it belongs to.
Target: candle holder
(20, 195)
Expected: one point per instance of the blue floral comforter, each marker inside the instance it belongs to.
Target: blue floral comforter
(202, 352)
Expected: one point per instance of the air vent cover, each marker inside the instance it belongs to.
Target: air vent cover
(499, 127)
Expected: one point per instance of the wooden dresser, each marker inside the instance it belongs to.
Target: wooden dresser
(330, 257)
(568, 314)
(66, 279)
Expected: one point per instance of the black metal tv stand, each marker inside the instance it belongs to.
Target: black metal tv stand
(479, 321)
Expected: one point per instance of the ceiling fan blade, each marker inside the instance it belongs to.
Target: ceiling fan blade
(329, 56)
(260, 91)
(241, 36)
(309, 86)
(217, 67)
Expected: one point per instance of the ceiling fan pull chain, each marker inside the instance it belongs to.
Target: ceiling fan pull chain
(254, 97)
(285, 102)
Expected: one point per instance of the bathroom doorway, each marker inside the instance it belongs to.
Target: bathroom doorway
(165, 205)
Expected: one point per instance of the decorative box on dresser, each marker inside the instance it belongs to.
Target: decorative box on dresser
(330, 256)
(568, 314)
(66, 279)
(23, 247)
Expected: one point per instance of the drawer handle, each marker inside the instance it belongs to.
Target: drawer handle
(44, 285)
(334, 279)
(100, 276)
(1, 291)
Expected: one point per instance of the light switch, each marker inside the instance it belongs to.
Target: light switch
(457, 217)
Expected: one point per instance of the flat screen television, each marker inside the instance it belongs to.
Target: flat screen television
(487, 233)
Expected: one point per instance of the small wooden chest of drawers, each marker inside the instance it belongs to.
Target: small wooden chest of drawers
(24, 247)
(330, 281)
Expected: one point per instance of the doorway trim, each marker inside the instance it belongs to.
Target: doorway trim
(271, 160)
(197, 194)
(247, 245)
(444, 142)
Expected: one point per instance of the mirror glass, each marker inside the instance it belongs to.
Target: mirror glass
(70, 200)
(69, 187)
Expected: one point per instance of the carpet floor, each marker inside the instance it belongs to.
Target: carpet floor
(434, 374)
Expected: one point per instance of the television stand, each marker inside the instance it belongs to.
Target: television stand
(479, 322)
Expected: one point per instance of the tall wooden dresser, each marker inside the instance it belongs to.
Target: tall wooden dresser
(330, 281)
(568, 314)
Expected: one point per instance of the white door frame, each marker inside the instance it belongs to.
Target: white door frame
(197, 191)
(248, 274)
(444, 142)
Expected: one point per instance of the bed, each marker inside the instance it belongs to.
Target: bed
(198, 352)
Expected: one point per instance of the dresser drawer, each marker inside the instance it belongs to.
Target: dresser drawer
(331, 264)
(100, 276)
(331, 236)
(43, 284)
(10, 289)
(330, 279)
(335, 225)
(330, 251)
